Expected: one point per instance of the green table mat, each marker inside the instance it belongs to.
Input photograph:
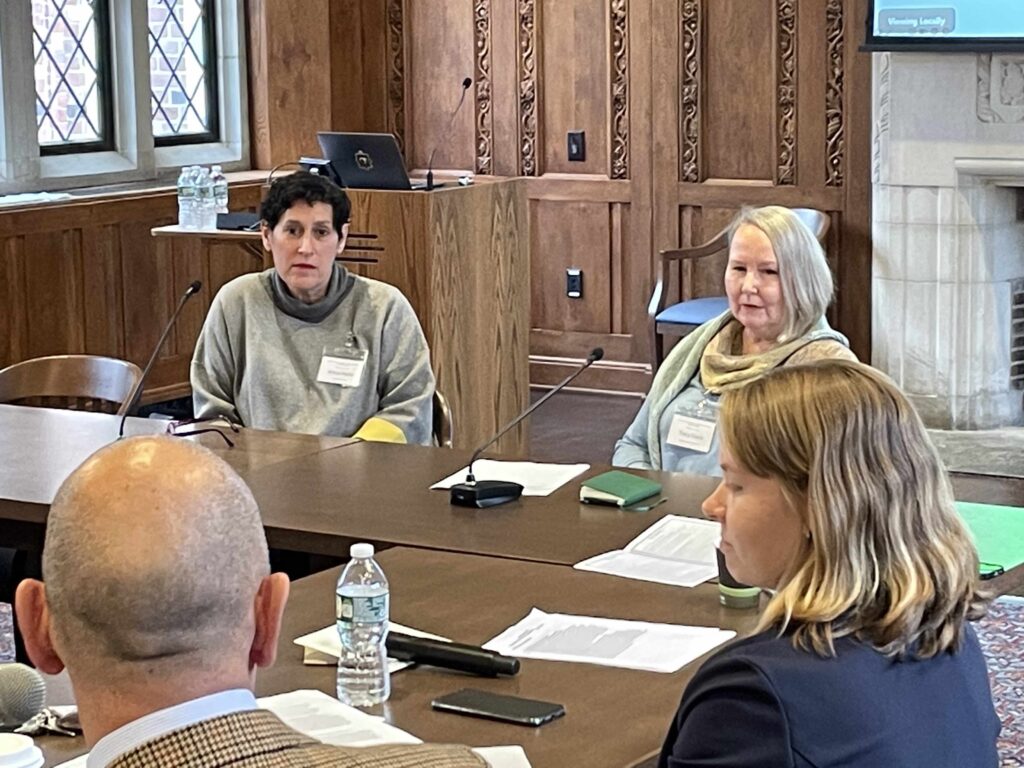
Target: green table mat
(998, 532)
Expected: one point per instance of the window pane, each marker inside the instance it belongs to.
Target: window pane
(68, 38)
(181, 59)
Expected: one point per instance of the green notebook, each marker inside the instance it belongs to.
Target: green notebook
(619, 488)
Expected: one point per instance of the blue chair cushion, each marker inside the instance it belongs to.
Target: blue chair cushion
(694, 311)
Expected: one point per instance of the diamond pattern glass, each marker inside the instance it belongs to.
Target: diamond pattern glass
(65, 39)
(179, 59)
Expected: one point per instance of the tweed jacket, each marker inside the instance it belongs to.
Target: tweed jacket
(258, 739)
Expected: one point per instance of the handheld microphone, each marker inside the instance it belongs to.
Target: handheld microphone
(451, 119)
(22, 694)
(489, 493)
(438, 653)
(191, 291)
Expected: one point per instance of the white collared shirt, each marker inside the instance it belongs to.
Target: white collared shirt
(164, 721)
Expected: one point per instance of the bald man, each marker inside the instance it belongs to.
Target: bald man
(157, 598)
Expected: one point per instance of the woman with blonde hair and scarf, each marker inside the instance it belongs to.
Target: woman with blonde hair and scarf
(834, 498)
(779, 285)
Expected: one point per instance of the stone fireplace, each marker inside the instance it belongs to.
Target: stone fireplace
(948, 264)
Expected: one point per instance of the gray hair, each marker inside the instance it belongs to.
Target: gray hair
(154, 553)
(804, 273)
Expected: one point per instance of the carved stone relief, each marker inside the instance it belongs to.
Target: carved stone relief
(786, 89)
(482, 90)
(835, 134)
(620, 89)
(689, 94)
(527, 88)
(1001, 88)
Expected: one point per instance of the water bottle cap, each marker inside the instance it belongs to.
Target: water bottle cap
(362, 550)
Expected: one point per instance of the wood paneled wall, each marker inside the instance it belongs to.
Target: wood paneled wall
(89, 278)
(691, 109)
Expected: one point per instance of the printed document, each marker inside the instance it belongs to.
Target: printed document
(323, 647)
(675, 550)
(536, 479)
(608, 642)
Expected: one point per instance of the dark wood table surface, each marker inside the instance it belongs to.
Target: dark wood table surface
(614, 717)
(318, 495)
(381, 493)
(41, 446)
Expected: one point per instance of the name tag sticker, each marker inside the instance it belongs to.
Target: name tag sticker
(689, 432)
(342, 367)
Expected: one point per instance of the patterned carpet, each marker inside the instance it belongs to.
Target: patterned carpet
(1001, 634)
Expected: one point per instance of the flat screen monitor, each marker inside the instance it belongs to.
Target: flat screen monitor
(953, 25)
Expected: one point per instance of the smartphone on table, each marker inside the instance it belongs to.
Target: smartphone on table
(496, 706)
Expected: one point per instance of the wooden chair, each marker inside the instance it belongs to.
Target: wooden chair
(443, 430)
(75, 382)
(693, 311)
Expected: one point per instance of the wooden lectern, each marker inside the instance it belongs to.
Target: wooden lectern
(461, 257)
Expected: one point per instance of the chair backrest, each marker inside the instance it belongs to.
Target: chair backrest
(816, 221)
(76, 382)
(443, 430)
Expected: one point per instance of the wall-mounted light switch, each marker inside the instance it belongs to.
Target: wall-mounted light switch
(574, 283)
(577, 146)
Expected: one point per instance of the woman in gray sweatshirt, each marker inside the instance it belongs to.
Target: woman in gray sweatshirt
(307, 346)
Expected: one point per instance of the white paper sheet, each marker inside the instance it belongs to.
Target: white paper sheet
(675, 550)
(537, 479)
(323, 647)
(607, 642)
(327, 719)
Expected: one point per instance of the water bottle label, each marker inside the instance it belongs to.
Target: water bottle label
(362, 610)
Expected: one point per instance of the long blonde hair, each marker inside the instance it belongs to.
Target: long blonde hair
(889, 559)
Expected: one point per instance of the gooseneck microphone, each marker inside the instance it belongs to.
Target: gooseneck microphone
(451, 119)
(191, 291)
(489, 493)
(439, 653)
(22, 694)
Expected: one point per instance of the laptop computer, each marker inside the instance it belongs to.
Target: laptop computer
(365, 160)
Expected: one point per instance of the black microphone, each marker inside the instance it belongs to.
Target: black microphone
(489, 493)
(451, 119)
(191, 291)
(438, 653)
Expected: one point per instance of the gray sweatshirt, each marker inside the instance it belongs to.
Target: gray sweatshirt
(259, 366)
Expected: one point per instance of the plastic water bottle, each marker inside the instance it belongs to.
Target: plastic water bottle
(207, 216)
(186, 199)
(362, 613)
(220, 189)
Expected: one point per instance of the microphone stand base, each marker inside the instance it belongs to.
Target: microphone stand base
(485, 493)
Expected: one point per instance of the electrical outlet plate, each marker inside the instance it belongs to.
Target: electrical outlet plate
(574, 283)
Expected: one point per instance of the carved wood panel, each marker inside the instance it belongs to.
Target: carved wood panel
(528, 87)
(482, 91)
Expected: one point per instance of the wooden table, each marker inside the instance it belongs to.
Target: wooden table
(614, 717)
(381, 493)
(318, 495)
(41, 447)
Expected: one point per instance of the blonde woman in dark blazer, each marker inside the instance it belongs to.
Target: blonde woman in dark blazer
(834, 498)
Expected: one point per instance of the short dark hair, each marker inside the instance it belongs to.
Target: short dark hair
(308, 188)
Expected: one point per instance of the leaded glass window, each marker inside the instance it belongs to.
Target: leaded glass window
(71, 40)
(182, 71)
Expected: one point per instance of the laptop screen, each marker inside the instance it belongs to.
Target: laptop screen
(365, 160)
